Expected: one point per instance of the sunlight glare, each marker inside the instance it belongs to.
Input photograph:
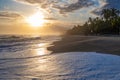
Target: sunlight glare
(36, 20)
(42, 49)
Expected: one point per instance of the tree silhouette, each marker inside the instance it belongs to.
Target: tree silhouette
(107, 23)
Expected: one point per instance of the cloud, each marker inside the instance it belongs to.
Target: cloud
(64, 6)
(67, 6)
(50, 18)
(103, 4)
(41, 3)
(75, 6)
(112, 4)
(10, 15)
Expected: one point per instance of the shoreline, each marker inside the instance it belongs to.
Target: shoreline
(99, 44)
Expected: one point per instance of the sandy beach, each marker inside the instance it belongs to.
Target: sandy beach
(102, 44)
(27, 58)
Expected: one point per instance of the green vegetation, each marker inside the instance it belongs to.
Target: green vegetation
(107, 23)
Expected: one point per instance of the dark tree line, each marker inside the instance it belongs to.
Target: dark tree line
(107, 23)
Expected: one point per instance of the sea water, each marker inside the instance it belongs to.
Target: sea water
(27, 58)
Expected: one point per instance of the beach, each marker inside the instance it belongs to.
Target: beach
(101, 44)
(28, 58)
(59, 39)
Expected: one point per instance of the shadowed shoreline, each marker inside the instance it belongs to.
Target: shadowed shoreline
(101, 44)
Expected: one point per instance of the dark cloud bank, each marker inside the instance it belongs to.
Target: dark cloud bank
(70, 7)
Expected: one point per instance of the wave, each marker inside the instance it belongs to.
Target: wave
(12, 38)
(15, 43)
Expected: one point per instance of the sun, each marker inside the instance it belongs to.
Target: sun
(36, 20)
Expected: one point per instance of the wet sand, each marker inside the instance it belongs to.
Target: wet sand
(101, 44)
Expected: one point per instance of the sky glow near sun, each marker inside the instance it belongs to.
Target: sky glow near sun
(36, 20)
(51, 16)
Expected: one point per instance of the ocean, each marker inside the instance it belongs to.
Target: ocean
(27, 58)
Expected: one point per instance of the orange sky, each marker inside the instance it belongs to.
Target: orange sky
(53, 16)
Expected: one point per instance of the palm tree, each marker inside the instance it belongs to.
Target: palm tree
(114, 12)
(109, 23)
(110, 13)
(105, 14)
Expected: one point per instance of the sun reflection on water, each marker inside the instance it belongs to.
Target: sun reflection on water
(42, 49)
(43, 63)
(42, 67)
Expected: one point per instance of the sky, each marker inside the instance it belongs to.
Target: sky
(57, 15)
